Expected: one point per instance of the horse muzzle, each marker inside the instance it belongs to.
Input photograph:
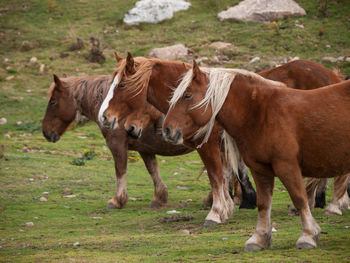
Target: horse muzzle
(173, 136)
(52, 136)
(133, 132)
(109, 123)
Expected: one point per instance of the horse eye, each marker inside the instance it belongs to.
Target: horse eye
(52, 103)
(121, 86)
(187, 96)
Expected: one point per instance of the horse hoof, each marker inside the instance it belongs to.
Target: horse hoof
(155, 205)
(111, 206)
(209, 223)
(304, 245)
(252, 247)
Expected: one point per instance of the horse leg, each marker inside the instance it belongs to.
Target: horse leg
(320, 198)
(208, 200)
(341, 200)
(119, 148)
(262, 237)
(290, 175)
(222, 206)
(160, 190)
(248, 192)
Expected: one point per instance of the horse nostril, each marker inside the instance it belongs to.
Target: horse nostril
(167, 131)
(53, 136)
(131, 129)
(177, 136)
(139, 133)
(104, 119)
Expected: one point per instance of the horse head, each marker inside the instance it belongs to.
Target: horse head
(60, 111)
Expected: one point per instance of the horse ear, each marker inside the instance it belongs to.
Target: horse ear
(195, 70)
(117, 57)
(130, 65)
(64, 75)
(58, 82)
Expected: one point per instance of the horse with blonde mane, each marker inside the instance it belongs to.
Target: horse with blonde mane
(279, 132)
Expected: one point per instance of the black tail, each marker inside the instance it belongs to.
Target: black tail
(320, 197)
(248, 192)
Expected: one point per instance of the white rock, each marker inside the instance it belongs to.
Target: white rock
(224, 238)
(341, 58)
(346, 227)
(154, 11)
(42, 68)
(169, 53)
(6, 60)
(328, 46)
(35, 217)
(29, 224)
(171, 212)
(33, 60)
(273, 230)
(347, 59)
(19, 123)
(199, 60)
(31, 179)
(262, 10)
(29, 91)
(10, 77)
(299, 25)
(329, 59)
(255, 59)
(3, 121)
(82, 137)
(185, 232)
(45, 193)
(8, 136)
(96, 217)
(76, 244)
(43, 199)
(220, 45)
(69, 196)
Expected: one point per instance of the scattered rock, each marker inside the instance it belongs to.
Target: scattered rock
(42, 68)
(329, 59)
(82, 137)
(36, 218)
(170, 53)
(97, 217)
(96, 54)
(24, 245)
(20, 230)
(328, 46)
(200, 60)
(299, 25)
(69, 196)
(10, 77)
(78, 45)
(8, 136)
(347, 59)
(262, 10)
(154, 11)
(176, 173)
(43, 199)
(6, 60)
(76, 244)
(341, 58)
(173, 212)
(346, 227)
(19, 123)
(29, 224)
(224, 238)
(220, 45)
(45, 193)
(3, 121)
(254, 60)
(181, 187)
(163, 161)
(26, 46)
(31, 180)
(33, 60)
(185, 232)
(273, 230)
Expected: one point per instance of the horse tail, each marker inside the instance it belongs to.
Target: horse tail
(338, 73)
(231, 152)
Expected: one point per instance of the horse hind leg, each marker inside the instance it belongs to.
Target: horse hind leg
(261, 239)
(160, 196)
(248, 192)
(341, 200)
(290, 175)
(320, 198)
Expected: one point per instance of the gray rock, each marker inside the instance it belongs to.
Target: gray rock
(185, 232)
(341, 58)
(170, 53)
(254, 60)
(329, 59)
(3, 121)
(220, 45)
(76, 244)
(154, 11)
(43, 199)
(262, 10)
(347, 59)
(29, 224)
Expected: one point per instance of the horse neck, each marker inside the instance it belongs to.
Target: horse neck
(245, 104)
(89, 93)
(165, 77)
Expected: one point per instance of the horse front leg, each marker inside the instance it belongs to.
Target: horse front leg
(341, 200)
(160, 197)
(119, 148)
(222, 206)
(290, 175)
(262, 237)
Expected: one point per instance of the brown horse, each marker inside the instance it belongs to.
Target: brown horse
(138, 117)
(153, 80)
(279, 132)
(84, 95)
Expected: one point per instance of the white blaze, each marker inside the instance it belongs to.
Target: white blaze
(110, 94)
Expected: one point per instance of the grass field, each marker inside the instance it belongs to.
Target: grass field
(29, 165)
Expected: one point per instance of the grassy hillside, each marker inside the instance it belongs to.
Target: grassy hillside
(29, 165)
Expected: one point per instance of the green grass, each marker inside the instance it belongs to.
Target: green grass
(31, 165)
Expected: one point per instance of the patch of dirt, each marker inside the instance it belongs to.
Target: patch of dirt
(176, 219)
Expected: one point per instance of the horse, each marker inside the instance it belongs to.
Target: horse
(278, 131)
(84, 95)
(153, 79)
(123, 105)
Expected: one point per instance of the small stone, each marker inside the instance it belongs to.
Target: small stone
(19, 123)
(347, 59)
(82, 137)
(8, 68)
(8, 136)
(97, 217)
(69, 196)
(329, 59)
(0, 247)
(29, 224)
(224, 238)
(299, 25)
(29, 91)
(254, 60)
(31, 179)
(328, 46)
(273, 230)
(3, 121)
(6, 60)
(176, 173)
(105, 31)
(24, 245)
(341, 58)
(20, 230)
(346, 227)
(35, 217)
(3, 239)
(45, 193)
(132, 198)
(220, 45)
(10, 77)
(181, 187)
(43, 199)
(42, 68)
(185, 232)
(76, 244)
(171, 212)
(163, 161)
(33, 60)
(200, 60)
